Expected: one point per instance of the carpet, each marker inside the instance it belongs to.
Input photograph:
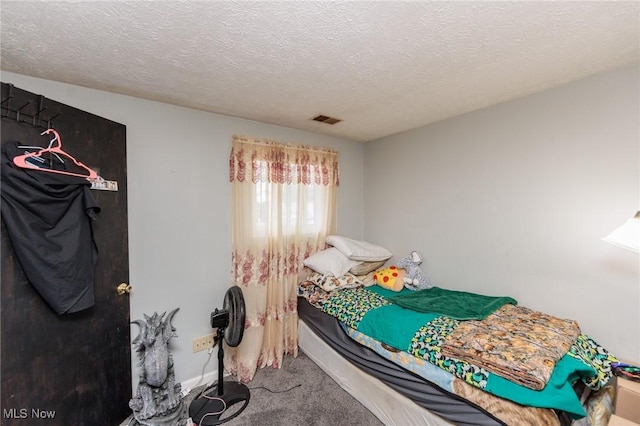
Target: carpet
(299, 393)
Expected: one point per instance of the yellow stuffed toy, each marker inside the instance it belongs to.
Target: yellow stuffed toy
(390, 278)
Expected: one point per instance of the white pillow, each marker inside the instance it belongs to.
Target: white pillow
(365, 267)
(359, 250)
(330, 261)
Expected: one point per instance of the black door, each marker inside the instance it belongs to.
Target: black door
(70, 369)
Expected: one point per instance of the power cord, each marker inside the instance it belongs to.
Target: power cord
(224, 407)
(205, 365)
(186, 392)
(272, 391)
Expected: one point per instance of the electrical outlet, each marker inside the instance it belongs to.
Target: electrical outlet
(202, 343)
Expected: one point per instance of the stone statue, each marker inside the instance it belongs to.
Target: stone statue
(158, 399)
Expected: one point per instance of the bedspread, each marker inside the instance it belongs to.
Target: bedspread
(422, 335)
(514, 342)
(508, 412)
(460, 305)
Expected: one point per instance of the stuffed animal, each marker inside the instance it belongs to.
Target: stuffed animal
(414, 279)
(390, 278)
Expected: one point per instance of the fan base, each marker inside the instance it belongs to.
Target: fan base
(206, 409)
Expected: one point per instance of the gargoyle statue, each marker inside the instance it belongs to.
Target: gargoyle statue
(158, 400)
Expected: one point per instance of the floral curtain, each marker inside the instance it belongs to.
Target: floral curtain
(284, 203)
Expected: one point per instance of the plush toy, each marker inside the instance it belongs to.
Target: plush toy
(414, 278)
(390, 278)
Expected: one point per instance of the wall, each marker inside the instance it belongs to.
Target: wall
(511, 199)
(514, 199)
(179, 204)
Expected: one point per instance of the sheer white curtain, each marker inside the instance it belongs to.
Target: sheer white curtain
(284, 203)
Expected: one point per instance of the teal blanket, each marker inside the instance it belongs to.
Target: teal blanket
(421, 334)
(458, 305)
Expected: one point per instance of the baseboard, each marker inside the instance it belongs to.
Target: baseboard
(207, 379)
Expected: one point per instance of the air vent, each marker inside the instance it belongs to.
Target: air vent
(326, 119)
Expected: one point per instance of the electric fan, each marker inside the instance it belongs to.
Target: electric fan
(211, 404)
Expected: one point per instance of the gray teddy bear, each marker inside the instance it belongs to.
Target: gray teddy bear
(414, 278)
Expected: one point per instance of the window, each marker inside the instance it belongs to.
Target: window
(298, 208)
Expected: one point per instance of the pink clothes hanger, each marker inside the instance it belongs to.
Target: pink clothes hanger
(21, 160)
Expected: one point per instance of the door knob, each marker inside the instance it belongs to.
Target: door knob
(124, 288)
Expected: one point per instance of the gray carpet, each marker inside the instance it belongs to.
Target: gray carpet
(318, 401)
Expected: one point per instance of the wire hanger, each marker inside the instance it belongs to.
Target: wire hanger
(21, 160)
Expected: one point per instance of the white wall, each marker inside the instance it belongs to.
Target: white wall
(179, 203)
(513, 199)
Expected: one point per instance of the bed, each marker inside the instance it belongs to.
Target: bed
(379, 384)
(403, 389)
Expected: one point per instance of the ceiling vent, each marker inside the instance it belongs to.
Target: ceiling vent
(326, 119)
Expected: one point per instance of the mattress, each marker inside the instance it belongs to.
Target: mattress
(387, 405)
(393, 394)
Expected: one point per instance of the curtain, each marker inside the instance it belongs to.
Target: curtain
(283, 207)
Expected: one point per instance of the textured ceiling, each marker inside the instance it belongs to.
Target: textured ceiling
(382, 67)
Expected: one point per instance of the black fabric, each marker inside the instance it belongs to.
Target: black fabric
(48, 219)
(424, 393)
